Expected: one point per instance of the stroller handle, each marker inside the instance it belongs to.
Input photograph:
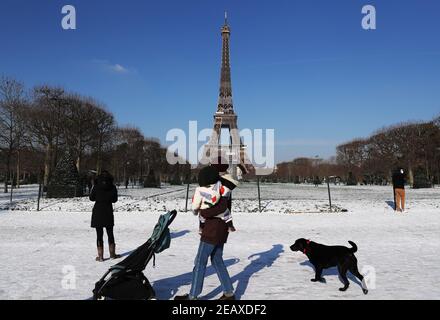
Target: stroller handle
(173, 216)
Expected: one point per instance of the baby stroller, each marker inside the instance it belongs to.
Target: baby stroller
(125, 280)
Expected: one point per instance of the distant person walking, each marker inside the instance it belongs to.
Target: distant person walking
(104, 193)
(214, 235)
(317, 181)
(399, 189)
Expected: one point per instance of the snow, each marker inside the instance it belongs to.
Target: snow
(37, 249)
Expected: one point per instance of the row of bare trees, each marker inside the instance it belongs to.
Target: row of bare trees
(38, 126)
(301, 170)
(414, 146)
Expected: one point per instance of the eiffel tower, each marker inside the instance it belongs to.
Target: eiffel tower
(225, 117)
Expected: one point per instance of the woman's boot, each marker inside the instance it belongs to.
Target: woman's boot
(112, 250)
(100, 256)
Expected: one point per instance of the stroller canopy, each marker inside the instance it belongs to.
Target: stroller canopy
(158, 242)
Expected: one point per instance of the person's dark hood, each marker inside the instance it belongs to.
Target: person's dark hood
(207, 176)
(105, 181)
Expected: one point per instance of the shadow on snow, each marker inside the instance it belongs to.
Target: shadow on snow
(332, 272)
(166, 288)
(262, 260)
(390, 203)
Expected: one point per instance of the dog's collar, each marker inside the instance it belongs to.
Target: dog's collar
(305, 249)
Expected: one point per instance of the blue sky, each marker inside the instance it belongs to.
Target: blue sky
(303, 67)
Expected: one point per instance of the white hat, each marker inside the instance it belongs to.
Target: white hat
(229, 180)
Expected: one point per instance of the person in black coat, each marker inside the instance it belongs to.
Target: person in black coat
(399, 189)
(104, 193)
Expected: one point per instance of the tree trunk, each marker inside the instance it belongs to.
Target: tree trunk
(18, 169)
(427, 168)
(99, 160)
(411, 176)
(55, 154)
(140, 169)
(7, 174)
(47, 163)
(98, 165)
(78, 163)
(78, 160)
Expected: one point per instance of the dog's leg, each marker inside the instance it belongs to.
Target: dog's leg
(318, 275)
(343, 274)
(354, 270)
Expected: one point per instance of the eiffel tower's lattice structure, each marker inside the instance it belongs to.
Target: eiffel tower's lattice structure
(225, 117)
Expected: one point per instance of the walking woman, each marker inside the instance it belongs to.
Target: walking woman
(104, 193)
(214, 235)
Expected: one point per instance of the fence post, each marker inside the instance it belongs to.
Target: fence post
(39, 196)
(259, 197)
(329, 195)
(186, 199)
(12, 187)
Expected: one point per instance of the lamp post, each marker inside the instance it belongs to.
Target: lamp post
(329, 194)
(126, 180)
(187, 196)
(259, 194)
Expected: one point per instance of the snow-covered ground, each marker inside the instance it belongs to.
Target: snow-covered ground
(399, 252)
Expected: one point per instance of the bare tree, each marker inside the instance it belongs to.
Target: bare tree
(12, 131)
(153, 156)
(127, 152)
(53, 121)
(412, 145)
(78, 129)
(45, 121)
(104, 126)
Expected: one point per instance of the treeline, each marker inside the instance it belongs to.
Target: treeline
(38, 126)
(413, 146)
(306, 170)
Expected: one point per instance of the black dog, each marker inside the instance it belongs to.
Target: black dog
(323, 257)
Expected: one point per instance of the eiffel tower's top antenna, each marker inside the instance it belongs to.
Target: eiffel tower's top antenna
(225, 28)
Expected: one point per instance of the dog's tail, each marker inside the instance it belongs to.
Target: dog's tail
(354, 246)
